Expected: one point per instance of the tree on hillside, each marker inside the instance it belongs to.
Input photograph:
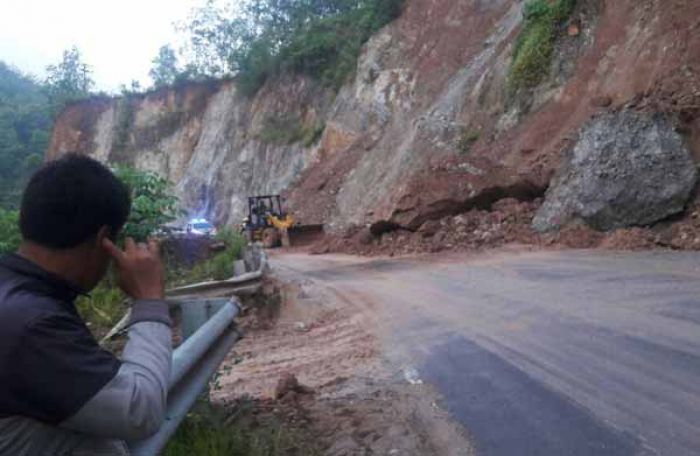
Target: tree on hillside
(153, 203)
(27, 108)
(25, 121)
(10, 236)
(165, 67)
(254, 39)
(215, 33)
(69, 80)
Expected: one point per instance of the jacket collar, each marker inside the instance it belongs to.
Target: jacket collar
(44, 281)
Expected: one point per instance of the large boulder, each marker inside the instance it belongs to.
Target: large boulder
(627, 169)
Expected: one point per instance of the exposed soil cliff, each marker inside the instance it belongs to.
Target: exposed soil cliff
(427, 129)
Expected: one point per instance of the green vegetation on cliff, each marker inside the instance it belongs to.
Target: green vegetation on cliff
(259, 39)
(284, 130)
(534, 49)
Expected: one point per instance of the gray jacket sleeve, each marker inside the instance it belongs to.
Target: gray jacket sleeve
(132, 405)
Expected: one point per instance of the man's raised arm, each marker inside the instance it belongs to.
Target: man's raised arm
(132, 405)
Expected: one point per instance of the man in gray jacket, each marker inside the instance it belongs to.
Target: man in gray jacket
(60, 393)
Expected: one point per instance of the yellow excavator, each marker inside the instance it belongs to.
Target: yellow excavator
(269, 224)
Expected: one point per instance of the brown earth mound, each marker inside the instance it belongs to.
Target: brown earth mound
(509, 222)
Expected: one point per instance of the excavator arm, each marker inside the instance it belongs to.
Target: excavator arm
(284, 222)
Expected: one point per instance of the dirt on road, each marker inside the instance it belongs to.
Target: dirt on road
(310, 359)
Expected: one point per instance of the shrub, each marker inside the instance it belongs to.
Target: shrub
(290, 130)
(222, 263)
(10, 236)
(103, 308)
(220, 267)
(153, 204)
(313, 135)
(467, 140)
(282, 130)
(532, 56)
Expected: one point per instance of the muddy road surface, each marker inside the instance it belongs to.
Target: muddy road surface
(556, 353)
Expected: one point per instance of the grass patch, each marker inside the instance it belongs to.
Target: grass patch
(286, 130)
(282, 130)
(532, 56)
(313, 135)
(220, 267)
(103, 308)
(467, 140)
(213, 431)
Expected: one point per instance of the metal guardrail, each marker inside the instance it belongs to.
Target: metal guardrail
(209, 334)
(255, 260)
(239, 282)
(257, 263)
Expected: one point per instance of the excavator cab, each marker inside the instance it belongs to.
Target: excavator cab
(269, 223)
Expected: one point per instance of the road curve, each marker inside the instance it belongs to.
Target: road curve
(556, 353)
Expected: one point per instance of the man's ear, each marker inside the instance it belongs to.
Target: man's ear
(103, 233)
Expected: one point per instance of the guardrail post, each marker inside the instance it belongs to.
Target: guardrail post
(208, 335)
(195, 361)
(196, 312)
(239, 268)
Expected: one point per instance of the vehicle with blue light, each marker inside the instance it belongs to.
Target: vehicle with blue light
(200, 227)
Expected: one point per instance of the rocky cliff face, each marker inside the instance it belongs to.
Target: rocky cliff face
(206, 138)
(427, 128)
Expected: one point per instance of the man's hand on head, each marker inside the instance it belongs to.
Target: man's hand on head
(139, 267)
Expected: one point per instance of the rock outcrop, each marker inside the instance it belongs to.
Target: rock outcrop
(627, 169)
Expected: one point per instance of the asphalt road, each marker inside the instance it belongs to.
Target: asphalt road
(565, 353)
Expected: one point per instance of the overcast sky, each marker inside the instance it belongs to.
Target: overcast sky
(118, 38)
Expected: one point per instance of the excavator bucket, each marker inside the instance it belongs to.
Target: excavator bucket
(303, 235)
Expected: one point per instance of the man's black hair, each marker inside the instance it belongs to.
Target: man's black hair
(68, 200)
